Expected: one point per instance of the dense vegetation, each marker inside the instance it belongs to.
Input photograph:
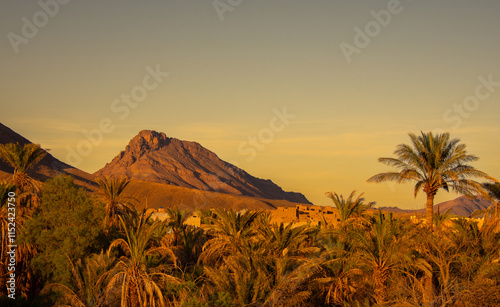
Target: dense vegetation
(80, 249)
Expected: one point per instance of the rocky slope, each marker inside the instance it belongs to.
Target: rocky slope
(47, 168)
(153, 157)
(147, 193)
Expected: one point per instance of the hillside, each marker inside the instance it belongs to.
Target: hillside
(48, 167)
(156, 195)
(152, 194)
(154, 157)
(460, 206)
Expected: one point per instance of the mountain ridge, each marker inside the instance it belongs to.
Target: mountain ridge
(150, 194)
(460, 206)
(47, 168)
(152, 156)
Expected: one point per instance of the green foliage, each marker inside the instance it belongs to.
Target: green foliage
(89, 288)
(67, 226)
(241, 259)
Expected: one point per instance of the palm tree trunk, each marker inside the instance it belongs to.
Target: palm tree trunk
(380, 279)
(134, 294)
(429, 209)
(428, 295)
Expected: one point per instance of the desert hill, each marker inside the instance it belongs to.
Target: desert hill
(151, 194)
(153, 157)
(48, 167)
(156, 195)
(460, 206)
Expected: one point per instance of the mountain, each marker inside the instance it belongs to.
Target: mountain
(460, 206)
(153, 157)
(48, 167)
(151, 194)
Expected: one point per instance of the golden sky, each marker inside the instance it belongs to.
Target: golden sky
(306, 93)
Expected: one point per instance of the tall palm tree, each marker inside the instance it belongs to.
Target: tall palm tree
(116, 203)
(434, 162)
(349, 208)
(22, 158)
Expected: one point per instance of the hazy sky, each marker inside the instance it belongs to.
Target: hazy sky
(306, 93)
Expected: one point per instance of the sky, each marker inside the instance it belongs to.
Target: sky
(306, 93)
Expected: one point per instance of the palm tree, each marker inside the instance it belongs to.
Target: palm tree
(116, 203)
(27, 281)
(230, 233)
(349, 208)
(380, 250)
(89, 284)
(334, 275)
(185, 241)
(439, 219)
(286, 250)
(22, 158)
(494, 193)
(433, 162)
(138, 274)
(176, 222)
(257, 264)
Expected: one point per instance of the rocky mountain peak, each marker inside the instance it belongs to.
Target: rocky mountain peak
(144, 142)
(152, 156)
(150, 139)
